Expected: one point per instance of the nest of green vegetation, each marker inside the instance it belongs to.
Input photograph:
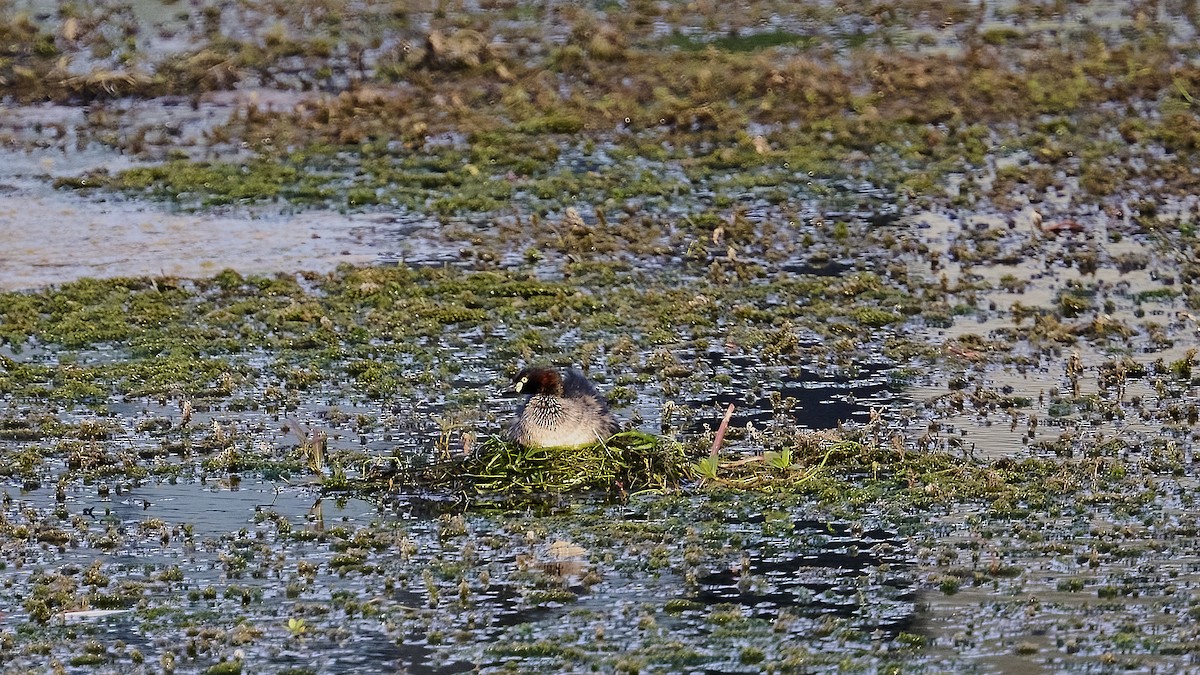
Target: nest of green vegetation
(630, 461)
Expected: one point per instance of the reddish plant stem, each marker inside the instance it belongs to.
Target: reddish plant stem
(716, 446)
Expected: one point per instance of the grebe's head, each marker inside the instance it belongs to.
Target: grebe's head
(538, 380)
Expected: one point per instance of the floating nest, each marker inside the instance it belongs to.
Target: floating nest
(630, 461)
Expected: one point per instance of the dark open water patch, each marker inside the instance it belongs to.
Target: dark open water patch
(805, 397)
(838, 572)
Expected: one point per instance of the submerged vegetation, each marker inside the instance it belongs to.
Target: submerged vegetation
(958, 435)
(321, 384)
(455, 112)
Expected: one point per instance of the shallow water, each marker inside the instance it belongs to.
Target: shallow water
(802, 571)
(773, 575)
(72, 238)
(281, 574)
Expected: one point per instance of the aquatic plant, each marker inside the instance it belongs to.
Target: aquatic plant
(630, 461)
